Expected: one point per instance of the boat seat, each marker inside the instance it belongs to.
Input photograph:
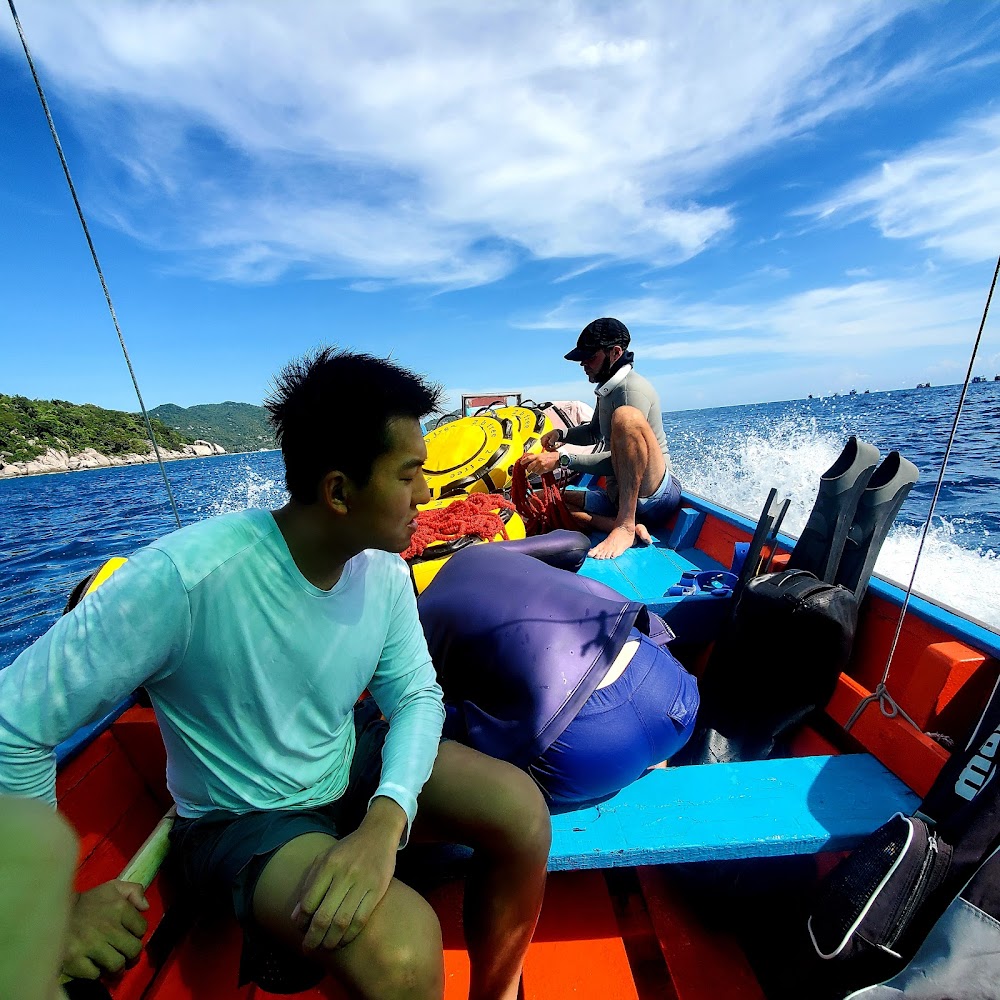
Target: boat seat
(717, 812)
(646, 573)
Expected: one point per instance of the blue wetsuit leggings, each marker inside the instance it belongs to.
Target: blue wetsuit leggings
(638, 720)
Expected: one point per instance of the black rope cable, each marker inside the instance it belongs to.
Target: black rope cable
(889, 707)
(93, 254)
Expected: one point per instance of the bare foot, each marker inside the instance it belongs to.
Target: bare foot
(620, 539)
(642, 535)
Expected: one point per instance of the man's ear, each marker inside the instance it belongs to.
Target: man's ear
(334, 489)
(615, 353)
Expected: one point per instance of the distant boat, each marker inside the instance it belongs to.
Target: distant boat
(982, 378)
(865, 393)
(854, 392)
(923, 385)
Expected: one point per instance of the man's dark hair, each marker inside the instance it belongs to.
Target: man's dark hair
(332, 409)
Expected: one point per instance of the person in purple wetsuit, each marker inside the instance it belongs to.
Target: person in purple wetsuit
(554, 672)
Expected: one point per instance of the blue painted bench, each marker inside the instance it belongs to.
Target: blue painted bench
(716, 812)
(646, 574)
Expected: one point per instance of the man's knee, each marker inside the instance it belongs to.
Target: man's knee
(627, 420)
(403, 957)
(411, 964)
(523, 817)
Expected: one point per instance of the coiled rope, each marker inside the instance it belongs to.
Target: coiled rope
(542, 510)
(475, 514)
(93, 254)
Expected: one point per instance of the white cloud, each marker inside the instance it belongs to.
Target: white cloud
(943, 194)
(863, 319)
(443, 142)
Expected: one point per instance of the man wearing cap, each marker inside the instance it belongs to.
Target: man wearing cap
(633, 454)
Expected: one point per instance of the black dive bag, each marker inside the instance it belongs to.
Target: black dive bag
(879, 905)
(776, 661)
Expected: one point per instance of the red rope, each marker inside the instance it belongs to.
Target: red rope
(472, 515)
(540, 513)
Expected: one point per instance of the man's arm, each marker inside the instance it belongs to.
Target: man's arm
(405, 688)
(115, 640)
(128, 631)
(597, 463)
(589, 433)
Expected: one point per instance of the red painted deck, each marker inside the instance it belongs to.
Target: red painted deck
(621, 935)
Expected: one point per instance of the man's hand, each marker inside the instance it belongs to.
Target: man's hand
(345, 884)
(536, 465)
(551, 439)
(105, 929)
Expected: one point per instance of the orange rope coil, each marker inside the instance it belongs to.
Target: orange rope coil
(540, 513)
(474, 514)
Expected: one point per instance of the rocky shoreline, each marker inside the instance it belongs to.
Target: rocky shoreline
(56, 460)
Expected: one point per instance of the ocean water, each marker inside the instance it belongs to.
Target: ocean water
(56, 529)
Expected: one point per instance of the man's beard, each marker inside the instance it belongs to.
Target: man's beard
(603, 373)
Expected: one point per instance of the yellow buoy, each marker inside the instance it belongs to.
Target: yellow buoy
(469, 455)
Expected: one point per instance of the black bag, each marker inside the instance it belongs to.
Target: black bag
(960, 956)
(964, 801)
(864, 908)
(885, 898)
(777, 661)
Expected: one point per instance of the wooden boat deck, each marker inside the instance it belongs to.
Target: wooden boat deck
(620, 932)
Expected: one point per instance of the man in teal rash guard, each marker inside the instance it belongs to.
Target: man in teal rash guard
(255, 633)
(632, 449)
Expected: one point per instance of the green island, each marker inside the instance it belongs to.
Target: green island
(29, 427)
(236, 426)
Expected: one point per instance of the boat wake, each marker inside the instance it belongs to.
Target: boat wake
(960, 563)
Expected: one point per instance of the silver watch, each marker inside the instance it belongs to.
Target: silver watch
(564, 461)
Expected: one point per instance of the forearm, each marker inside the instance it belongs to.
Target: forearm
(410, 750)
(386, 819)
(581, 434)
(596, 464)
(26, 771)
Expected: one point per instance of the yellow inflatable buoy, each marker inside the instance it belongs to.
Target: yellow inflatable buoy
(92, 582)
(529, 426)
(469, 455)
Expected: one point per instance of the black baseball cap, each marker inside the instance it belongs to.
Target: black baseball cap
(599, 335)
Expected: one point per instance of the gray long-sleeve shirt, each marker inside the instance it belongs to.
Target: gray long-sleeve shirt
(633, 390)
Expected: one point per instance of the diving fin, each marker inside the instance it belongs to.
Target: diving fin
(764, 534)
(822, 541)
(877, 510)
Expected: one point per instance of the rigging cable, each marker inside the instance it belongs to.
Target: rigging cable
(93, 254)
(889, 707)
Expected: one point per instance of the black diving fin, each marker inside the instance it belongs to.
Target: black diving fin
(822, 541)
(877, 510)
(765, 534)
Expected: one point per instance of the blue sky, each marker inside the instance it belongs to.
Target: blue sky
(778, 198)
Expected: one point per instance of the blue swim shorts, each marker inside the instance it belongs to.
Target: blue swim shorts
(638, 720)
(652, 511)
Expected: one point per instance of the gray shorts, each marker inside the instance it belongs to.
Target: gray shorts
(652, 511)
(223, 855)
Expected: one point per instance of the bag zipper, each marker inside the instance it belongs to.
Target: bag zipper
(915, 897)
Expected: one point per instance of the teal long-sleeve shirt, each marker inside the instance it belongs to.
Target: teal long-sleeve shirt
(252, 671)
